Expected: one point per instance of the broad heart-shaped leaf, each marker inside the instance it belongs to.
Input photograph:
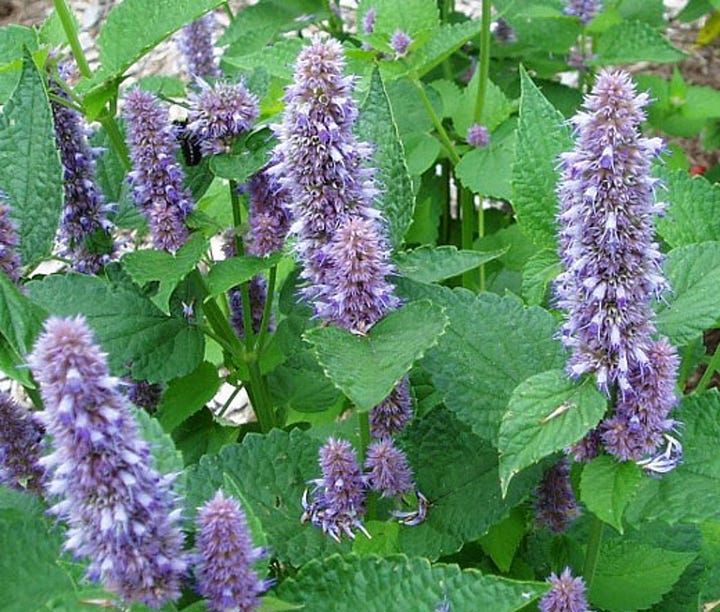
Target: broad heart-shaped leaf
(457, 471)
(231, 272)
(634, 576)
(376, 124)
(496, 110)
(13, 40)
(693, 306)
(416, 17)
(166, 458)
(607, 486)
(366, 368)
(271, 472)
(140, 339)
(443, 42)
(134, 27)
(400, 584)
(691, 492)
(491, 345)
(150, 265)
(693, 214)
(30, 170)
(634, 41)
(429, 264)
(538, 273)
(547, 412)
(542, 136)
(187, 394)
(487, 171)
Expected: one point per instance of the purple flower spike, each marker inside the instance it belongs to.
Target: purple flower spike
(219, 113)
(368, 22)
(121, 513)
(584, 10)
(478, 136)
(566, 595)
(258, 296)
(588, 448)
(157, 177)
(20, 447)
(145, 395)
(196, 45)
(400, 42)
(641, 420)
(224, 571)
(9, 242)
(84, 215)
(269, 215)
(389, 471)
(393, 413)
(611, 264)
(555, 503)
(338, 498)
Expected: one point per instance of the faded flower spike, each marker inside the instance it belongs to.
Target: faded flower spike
(196, 45)
(389, 471)
(157, 177)
(399, 42)
(121, 513)
(585, 10)
(338, 498)
(20, 447)
(225, 558)
(84, 226)
(9, 242)
(611, 264)
(219, 113)
(566, 595)
(478, 136)
(393, 413)
(145, 394)
(555, 504)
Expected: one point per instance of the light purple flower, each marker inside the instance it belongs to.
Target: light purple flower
(157, 177)
(400, 41)
(478, 136)
(389, 471)
(269, 215)
(20, 447)
(566, 595)
(225, 558)
(368, 22)
(9, 242)
(219, 113)
(337, 502)
(555, 504)
(611, 264)
(121, 513)
(196, 45)
(393, 413)
(588, 448)
(84, 226)
(257, 292)
(584, 10)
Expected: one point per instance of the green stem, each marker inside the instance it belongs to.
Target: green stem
(228, 10)
(484, 62)
(593, 550)
(364, 431)
(262, 405)
(481, 233)
(237, 218)
(226, 405)
(444, 138)
(240, 250)
(68, 25)
(467, 227)
(712, 367)
(267, 311)
(116, 139)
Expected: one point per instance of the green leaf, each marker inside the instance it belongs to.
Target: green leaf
(694, 211)
(166, 458)
(169, 269)
(694, 274)
(417, 16)
(456, 470)
(429, 264)
(496, 110)
(13, 40)
(278, 59)
(399, 584)
(539, 271)
(443, 42)
(29, 571)
(546, 413)
(502, 541)
(231, 272)
(140, 339)
(376, 124)
(607, 487)
(491, 345)
(488, 171)
(634, 576)
(30, 170)
(187, 394)
(272, 472)
(20, 319)
(133, 27)
(634, 41)
(366, 368)
(691, 492)
(542, 136)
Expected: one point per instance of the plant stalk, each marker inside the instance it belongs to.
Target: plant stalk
(484, 67)
(593, 550)
(443, 135)
(712, 367)
(68, 25)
